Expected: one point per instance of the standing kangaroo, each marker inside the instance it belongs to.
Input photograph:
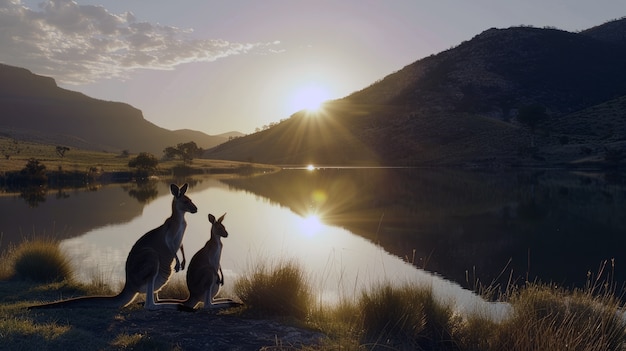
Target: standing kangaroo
(149, 262)
(204, 274)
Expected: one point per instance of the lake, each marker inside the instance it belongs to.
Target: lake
(353, 228)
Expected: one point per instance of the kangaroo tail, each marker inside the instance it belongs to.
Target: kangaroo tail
(116, 301)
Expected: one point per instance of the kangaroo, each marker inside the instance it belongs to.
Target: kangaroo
(149, 262)
(204, 274)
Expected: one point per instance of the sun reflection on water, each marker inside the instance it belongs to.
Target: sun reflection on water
(338, 263)
(311, 225)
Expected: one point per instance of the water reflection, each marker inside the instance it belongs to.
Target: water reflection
(465, 225)
(33, 195)
(354, 227)
(338, 262)
(143, 191)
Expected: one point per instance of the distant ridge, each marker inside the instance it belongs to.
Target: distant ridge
(459, 107)
(34, 108)
(610, 32)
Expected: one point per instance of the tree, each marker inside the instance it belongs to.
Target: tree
(34, 172)
(61, 150)
(531, 115)
(34, 168)
(188, 151)
(171, 152)
(145, 163)
(185, 151)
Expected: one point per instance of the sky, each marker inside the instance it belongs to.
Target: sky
(235, 65)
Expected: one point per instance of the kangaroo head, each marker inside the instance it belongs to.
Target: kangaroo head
(181, 201)
(217, 227)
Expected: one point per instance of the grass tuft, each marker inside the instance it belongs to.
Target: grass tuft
(40, 261)
(383, 317)
(552, 318)
(405, 317)
(281, 290)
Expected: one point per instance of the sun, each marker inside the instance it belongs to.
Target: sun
(310, 97)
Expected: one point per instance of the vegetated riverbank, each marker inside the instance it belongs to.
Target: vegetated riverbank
(36, 173)
(385, 316)
(26, 163)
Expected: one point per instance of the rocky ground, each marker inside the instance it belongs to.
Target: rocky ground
(208, 330)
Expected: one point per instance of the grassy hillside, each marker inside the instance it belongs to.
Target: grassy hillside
(84, 160)
(34, 108)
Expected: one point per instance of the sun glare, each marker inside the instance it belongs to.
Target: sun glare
(310, 98)
(310, 168)
(311, 225)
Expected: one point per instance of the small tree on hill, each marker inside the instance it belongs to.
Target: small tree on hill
(61, 150)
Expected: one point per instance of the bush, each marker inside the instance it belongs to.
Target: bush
(281, 290)
(33, 173)
(546, 318)
(145, 163)
(406, 317)
(41, 261)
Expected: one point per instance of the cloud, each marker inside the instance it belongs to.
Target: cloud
(79, 44)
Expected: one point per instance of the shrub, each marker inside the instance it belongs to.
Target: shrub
(41, 261)
(406, 317)
(281, 290)
(546, 318)
(145, 163)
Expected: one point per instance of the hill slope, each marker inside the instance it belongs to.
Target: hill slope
(460, 106)
(34, 108)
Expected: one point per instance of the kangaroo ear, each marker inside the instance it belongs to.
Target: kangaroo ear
(183, 189)
(211, 218)
(174, 189)
(219, 220)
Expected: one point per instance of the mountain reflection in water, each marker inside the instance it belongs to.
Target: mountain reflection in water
(470, 226)
(364, 225)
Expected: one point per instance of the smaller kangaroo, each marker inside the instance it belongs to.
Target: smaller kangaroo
(204, 274)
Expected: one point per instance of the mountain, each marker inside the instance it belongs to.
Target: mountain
(34, 108)
(460, 107)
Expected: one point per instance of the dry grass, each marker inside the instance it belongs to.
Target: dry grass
(278, 290)
(40, 261)
(385, 316)
(547, 318)
(84, 160)
(405, 317)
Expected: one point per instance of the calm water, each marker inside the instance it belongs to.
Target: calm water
(352, 228)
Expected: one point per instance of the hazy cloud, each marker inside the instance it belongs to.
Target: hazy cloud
(84, 43)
